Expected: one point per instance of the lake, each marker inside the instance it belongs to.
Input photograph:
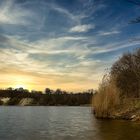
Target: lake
(62, 123)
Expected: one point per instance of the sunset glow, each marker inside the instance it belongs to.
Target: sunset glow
(20, 86)
(63, 44)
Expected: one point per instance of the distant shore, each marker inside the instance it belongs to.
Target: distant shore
(23, 97)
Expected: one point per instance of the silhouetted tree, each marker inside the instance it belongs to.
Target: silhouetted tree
(48, 91)
(58, 91)
(10, 88)
(58, 97)
(1, 102)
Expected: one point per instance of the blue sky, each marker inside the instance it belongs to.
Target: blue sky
(65, 44)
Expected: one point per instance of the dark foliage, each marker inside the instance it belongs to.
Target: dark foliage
(50, 97)
(13, 101)
(1, 102)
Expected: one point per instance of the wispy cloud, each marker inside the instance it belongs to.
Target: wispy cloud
(102, 33)
(62, 43)
(12, 14)
(82, 28)
(54, 59)
(74, 17)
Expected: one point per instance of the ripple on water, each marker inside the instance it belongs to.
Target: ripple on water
(61, 123)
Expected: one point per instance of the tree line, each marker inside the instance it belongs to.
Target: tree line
(50, 97)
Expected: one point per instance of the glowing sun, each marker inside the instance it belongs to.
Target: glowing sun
(20, 86)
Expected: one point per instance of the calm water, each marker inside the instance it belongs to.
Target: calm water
(62, 123)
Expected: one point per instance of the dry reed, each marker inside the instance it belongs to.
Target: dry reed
(107, 98)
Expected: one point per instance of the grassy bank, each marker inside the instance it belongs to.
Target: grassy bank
(118, 96)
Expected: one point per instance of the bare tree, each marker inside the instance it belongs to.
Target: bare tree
(136, 2)
(127, 74)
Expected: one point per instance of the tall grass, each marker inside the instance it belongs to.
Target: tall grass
(107, 98)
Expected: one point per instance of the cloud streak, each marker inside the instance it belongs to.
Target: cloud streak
(102, 33)
(62, 45)
(82, 28)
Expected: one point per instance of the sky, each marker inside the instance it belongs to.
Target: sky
(67, 44)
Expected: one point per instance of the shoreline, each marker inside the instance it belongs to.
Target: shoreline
(130, 115)
(46, 105)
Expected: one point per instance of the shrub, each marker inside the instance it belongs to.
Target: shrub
(13, 101)
(1, 102)
(121, 83)
(126, 72)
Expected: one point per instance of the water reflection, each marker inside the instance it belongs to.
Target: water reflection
(118, 130)
(61, 123)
